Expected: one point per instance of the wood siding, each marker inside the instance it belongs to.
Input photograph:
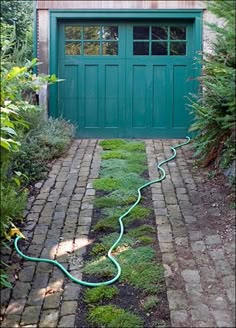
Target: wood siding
(178, 4)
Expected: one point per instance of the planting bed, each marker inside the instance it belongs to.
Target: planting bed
(138, 298)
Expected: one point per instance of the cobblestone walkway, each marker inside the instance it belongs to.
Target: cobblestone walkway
(198, 265)
(58, 224)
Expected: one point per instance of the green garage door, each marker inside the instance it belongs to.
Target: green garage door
(126, 80)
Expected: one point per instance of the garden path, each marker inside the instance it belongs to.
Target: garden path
(194, 234)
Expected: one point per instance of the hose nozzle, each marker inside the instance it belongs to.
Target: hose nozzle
(13, 232)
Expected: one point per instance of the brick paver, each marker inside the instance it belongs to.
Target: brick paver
(198, 269)
(57, 225)
(198, 265)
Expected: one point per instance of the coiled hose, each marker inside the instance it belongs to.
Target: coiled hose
(108, 282)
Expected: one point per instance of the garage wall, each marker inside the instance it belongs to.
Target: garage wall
(42, 8)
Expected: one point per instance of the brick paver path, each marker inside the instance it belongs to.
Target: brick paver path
(199, 275)
(199, 268)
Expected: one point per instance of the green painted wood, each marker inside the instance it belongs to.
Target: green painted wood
(126, 95)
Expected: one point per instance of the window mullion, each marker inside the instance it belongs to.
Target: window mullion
(150, 40)
(168, 42)
(82, 41)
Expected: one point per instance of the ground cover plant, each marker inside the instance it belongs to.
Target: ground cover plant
(138, 299)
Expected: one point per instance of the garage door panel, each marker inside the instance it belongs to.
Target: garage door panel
(161, 101)
(139, 95)
(112, 96)
(91, 95)
(180, 91)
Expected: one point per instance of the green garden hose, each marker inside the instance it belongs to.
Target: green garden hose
(96, 284)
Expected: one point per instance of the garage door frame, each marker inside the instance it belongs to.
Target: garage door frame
(56, 16)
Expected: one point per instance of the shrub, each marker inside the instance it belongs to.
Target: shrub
(214, 108)
(45, 141)
(15, 80)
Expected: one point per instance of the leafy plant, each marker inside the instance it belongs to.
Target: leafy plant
(13, 204)
(214, 108)
(15, 80)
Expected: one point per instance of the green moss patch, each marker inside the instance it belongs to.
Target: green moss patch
(111, 316)
(101, 293)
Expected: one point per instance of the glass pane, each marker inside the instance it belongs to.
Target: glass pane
(141, 33)
(159, 33)
(91, 32)
(91, 48)
(178, 48)
(159, 49)
(73, 32)
(110, 32)
(73, 48)
(110, 48)
(177, 33)
(141, 48)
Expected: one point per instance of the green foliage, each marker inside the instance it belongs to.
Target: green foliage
(13, 204)
(150, 303)
(146, 240)
(18, 14)
(4, 279)
(145, 234)
(106, 201)
(214, 108)
(106, 184)
(46, 141)
(141, 231)
(112, 144)
(111, 316)
(114, 154)
(134, 146)
(99, 294)
(110, 166)
(21, 151)
(110, 223)
(108, 240)
(138, 268)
